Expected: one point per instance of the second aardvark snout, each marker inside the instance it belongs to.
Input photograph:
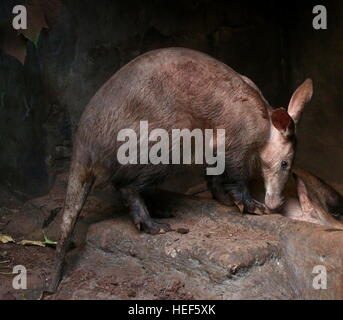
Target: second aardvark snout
(178, 88)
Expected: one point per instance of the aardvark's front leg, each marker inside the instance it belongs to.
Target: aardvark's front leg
(240, 194)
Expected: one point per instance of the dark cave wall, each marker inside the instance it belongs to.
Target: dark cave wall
(318, 54)
(42, 101)
(23, 113)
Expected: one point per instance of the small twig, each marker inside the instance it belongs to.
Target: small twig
(6, 269)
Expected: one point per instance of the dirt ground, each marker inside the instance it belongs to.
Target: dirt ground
(223, 256)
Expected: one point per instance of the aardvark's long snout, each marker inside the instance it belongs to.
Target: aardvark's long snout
(274, 201)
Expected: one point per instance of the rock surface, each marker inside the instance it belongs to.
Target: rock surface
(223, 256)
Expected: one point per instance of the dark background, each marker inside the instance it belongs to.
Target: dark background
(272, 42)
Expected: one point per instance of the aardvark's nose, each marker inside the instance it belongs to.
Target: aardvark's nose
(274, 202)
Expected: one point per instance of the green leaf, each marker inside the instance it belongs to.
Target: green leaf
(49, 242)
(7, 239)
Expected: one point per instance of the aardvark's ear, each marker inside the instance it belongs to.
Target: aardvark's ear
(299, 98)
(282, 121)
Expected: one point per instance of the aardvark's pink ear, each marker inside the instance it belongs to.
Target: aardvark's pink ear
(299, 98)
(282, 121)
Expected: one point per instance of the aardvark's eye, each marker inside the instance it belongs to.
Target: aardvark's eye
(284, 164)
